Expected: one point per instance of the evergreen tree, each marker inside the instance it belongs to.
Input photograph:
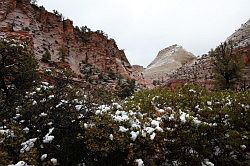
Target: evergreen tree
(46, 57)
(62, 54)
(17, 66)
(125, 88)
(227, 63)
(34, 2)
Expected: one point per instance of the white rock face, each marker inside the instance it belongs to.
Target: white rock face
(167, 61)
(242, 35)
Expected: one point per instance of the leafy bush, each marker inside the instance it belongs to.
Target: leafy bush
(125, 88)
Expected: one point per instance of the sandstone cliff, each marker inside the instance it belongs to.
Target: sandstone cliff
(137, 74)
(167, 61)
(43, 31)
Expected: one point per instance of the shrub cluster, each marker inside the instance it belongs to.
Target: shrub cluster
(190, 126)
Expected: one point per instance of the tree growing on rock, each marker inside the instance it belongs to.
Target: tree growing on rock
(62, 54)
(227, 63)
(46, 57)
(34, 2)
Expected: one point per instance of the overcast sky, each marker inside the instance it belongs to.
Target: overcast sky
(144, 27)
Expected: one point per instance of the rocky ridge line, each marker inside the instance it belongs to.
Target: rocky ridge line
(167, 61)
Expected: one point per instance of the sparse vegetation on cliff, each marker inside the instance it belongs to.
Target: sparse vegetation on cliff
(46, 57)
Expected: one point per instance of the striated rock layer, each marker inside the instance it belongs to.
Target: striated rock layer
(43, 31)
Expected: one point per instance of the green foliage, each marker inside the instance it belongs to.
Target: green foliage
(83, 33)
(227, 65)
(46, 57)
(59, 108)
(41, 110)
(111, 74)
(62, 54)
(85, 29)
(198, 126)
(17, 66)
(125, 88)
(189, 126)
(94, 76)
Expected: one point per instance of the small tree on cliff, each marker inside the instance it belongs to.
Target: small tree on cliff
(46, 57)
(62, 54)
(227, 63)
(34, 2)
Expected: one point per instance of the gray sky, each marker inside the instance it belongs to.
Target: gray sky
(144, 27)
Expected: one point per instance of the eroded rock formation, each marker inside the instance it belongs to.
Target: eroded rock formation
(42, 30)
(167, 61)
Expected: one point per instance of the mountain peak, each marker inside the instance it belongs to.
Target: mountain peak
(172, 48)
(168, 60)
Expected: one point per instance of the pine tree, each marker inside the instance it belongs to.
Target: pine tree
(227, 63)
(34, 2)
(46, 57)
(62, 54)
(17, 67)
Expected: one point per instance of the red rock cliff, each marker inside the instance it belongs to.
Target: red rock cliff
(49, 31)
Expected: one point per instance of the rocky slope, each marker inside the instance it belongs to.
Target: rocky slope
(137, 74)
(42, 30)
(137, 71)
(200, 71)
(241, 36)
(167, 61)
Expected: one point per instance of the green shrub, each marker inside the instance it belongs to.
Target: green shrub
(190, 126)
(46, 57)
(125, 88)
(18, 67)
(227, 64)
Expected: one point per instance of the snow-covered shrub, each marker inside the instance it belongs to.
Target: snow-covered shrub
(46, 123)
(189, 126)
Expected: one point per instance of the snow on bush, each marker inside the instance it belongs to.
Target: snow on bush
(27, 145)
(189, 126)
(190, 123)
